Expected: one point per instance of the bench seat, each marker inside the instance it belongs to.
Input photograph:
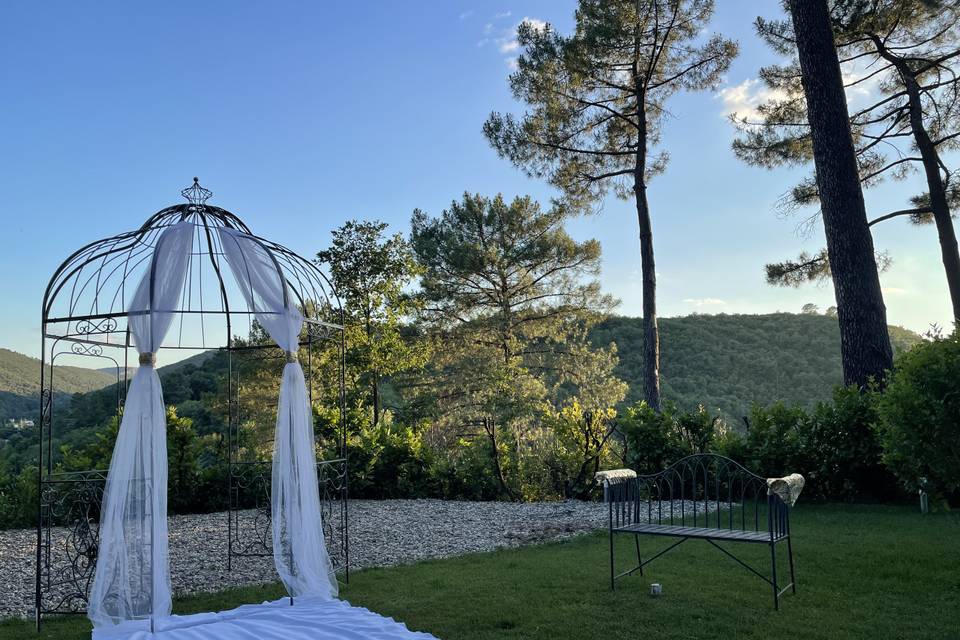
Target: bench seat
(696, 532)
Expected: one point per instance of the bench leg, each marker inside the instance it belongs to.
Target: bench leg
(612, 574)
(776, 588)
(636, 539)
(793, 578)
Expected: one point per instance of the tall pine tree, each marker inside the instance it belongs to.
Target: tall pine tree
(597, 101)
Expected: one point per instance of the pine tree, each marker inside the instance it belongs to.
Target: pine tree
(597, 101)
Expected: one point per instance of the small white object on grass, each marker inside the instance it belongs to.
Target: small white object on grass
(655, 589)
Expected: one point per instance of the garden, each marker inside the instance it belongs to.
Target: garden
(450, 431)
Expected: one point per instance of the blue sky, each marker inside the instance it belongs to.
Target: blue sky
(302, 115)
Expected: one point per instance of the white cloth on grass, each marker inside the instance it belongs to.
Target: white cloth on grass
(310, 618)
(132, 576)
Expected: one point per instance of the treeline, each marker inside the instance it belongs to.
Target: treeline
(478, 365)
(729, 362)
(496, 377)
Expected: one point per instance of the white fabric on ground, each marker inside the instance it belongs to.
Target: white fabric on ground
(132, 577)
(310, 618)
(299, 552)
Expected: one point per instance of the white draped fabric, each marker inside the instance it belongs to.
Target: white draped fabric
(299, 551)
(312, 618)
(132, 578)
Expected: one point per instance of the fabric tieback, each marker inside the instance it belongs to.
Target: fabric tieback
(148, 359)
(291, 356)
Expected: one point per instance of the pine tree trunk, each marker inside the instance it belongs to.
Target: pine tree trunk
(651, 330)
(648, 270)
(864, 339)
(931, 168)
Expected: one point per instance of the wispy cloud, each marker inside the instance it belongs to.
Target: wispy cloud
(705, 302)
(503, 14)
(867, 85)
(507, 43)
(743, 99)
(466, 14)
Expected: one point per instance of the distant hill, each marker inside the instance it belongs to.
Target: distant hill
(20, 383)
(727, 362)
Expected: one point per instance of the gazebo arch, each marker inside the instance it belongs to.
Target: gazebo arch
(85, 313)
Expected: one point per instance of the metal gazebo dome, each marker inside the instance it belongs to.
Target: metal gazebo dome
(84, 315)
(87, 297)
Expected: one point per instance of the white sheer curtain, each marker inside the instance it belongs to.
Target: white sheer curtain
(299, 551)
(132, 578)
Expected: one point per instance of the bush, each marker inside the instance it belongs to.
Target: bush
(652, 440)
(919, 417)
(773, 445)
(841, 453)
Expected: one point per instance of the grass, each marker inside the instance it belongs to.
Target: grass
(873, 572)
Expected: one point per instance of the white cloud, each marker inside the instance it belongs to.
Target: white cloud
(466, 14)
(507, 41)
(860, 94)
(502, 14)
(744, 98)
(705, 302)
(536, 23)
(507, 46)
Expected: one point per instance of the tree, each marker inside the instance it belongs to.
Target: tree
(597, 103)
(908, 50)
(918, 423)
(510, 296)
(370, 272)
(864, 342)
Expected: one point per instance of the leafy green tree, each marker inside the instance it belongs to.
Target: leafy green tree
(597, 102)
(908, 49)
(919, 417)
(510, 296)
(370, 272)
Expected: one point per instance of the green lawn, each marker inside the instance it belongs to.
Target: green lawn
(863, 572)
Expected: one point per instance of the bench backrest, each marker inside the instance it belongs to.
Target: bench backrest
(703, 490)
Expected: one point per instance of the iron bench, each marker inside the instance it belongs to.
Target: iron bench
(704, 496)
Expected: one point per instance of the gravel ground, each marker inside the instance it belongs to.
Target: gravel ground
(382, 533)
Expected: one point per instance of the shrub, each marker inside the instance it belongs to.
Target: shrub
(650, 438)
(580, 443)
(919, 417)
(841, 453)
(773, 443)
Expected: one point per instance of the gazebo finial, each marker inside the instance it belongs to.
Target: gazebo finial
(196, 194)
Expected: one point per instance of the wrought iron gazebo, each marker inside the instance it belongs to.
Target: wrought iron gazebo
(84, 315)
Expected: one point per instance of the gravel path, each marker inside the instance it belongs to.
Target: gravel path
(382, 533)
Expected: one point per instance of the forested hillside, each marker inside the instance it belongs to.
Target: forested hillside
(20, 383)
(728, 362)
